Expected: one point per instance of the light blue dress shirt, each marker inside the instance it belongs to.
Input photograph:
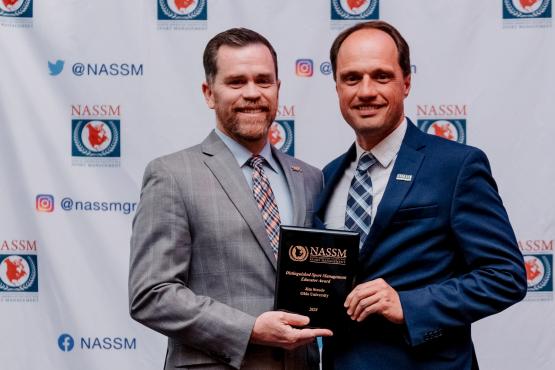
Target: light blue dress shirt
(272, 170)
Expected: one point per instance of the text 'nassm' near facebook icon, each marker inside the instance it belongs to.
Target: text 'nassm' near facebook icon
(354, 9)
(182, 9)
(16, 8)
(66, 342)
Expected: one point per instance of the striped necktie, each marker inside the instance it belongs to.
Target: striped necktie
(358, 215)
(265, 200)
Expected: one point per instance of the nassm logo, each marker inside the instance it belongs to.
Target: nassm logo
(182, 10)
(16, 8)
(281, 135)
(450, 129)
(298, 253)
(513, 9)
(95, 138)
(354, 9)
(539, 272)
(18, 273)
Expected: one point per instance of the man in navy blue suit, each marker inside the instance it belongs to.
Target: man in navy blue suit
(437, 250)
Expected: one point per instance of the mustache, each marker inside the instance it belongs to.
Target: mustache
(262, 107)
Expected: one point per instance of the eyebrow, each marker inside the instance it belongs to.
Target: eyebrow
(355, 72)
(239, 76)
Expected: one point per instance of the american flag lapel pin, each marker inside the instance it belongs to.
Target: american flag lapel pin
(296, 169)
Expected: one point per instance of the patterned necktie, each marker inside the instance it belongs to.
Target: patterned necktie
(358, 214)
(264, 197)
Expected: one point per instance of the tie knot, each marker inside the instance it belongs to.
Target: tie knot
(365, 162)
(256, 161)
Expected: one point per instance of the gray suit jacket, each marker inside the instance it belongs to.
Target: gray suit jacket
(202, 268)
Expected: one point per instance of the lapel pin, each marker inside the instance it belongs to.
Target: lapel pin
(403, 177)
(296, 169)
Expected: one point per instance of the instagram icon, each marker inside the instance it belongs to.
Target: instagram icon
(44, 203)
(304, 67)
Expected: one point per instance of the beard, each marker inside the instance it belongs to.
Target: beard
(244, 128)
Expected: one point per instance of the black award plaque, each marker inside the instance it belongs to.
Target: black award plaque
(315, 272)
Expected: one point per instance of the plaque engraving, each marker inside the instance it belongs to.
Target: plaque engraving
(315, 272)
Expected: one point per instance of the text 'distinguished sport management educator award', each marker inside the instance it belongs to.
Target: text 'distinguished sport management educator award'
(315, 273)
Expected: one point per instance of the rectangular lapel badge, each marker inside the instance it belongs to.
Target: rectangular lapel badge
(403, 177)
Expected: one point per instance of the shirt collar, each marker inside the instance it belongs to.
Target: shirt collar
(242, 154)
(386, 150)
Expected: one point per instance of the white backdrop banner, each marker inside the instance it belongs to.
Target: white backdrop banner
(90, 91)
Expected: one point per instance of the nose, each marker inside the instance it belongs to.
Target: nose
(367, 88)
(251, 91)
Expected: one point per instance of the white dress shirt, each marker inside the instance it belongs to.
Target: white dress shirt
(385, 153)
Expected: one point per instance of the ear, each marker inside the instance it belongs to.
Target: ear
(406, 84)
(208, 94)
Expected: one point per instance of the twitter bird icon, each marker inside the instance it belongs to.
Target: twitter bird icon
(56, 68)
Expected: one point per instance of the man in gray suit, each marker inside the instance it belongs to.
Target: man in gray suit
(202, 269)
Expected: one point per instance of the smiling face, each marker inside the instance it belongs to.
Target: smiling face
(370, 85)
(244, 94)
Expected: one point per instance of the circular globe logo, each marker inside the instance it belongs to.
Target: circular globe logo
(11, 5)
(96, 136)
(354, 7)
(444, 129)
(15, 272)
(535, 270)
(298, 253)
(527, 6)
(182, 7)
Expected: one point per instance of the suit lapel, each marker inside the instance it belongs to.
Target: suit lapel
(403, 175)
(223, 165)
(295, 182)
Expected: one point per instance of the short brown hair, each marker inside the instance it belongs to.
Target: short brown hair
(402, 46)
(234, 37)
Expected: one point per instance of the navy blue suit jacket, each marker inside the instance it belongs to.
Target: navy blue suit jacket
(443, 241)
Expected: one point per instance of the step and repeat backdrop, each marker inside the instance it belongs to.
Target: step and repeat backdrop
(90, 91)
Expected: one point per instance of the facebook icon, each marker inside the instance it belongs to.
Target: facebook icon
(65, 342)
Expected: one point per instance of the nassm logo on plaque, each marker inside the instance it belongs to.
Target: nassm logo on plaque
(330, 256)
(298, 253)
